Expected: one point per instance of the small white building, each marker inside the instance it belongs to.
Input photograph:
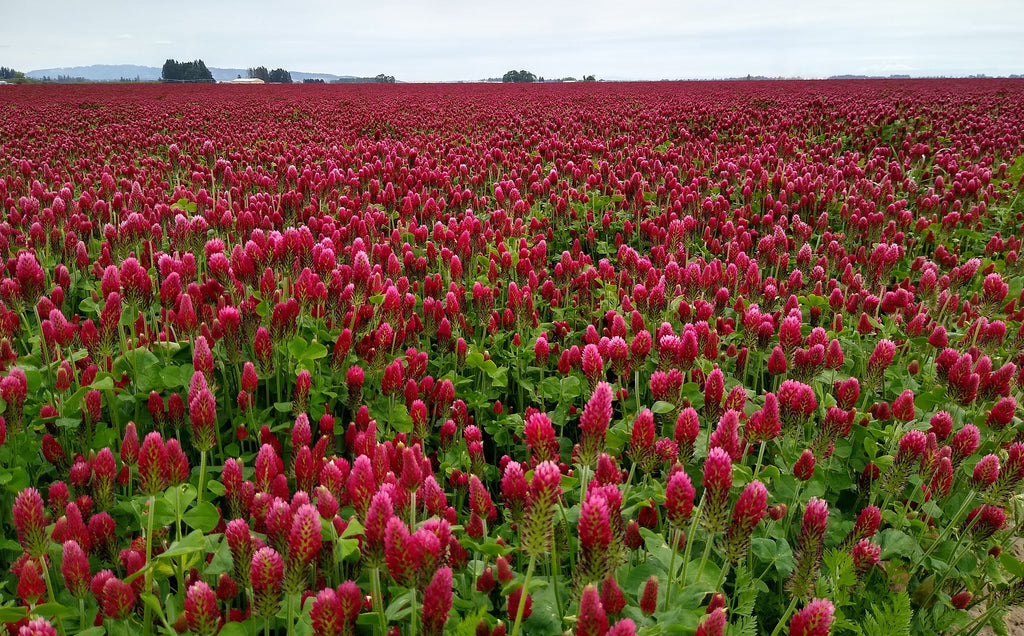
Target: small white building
(244, 80)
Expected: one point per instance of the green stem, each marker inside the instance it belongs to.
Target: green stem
(556, 565)
(721, 576)
(636, 389)
(565, 520)
(202, 476)
(147, 624)
(760, 458)
(291, 614)
(135, 362)
(522, 596)
(413, 613)
(180, 565)
(583, 482)
(782, 619)
(629, 481)
(976, 626)
(793, 508)
(689, 540)
(707, 552)
(378, 600)
(673, 537)
(49, 589)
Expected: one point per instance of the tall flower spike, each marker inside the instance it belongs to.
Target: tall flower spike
(597, 414)
(612, 598)
(377, 516)
(437, 602)
(118, 598)
(685, 434)
(267, 572)
(764, 425)
(402, 552)
(593, 365)
(304, 539)
(30, 522)
(649, 596)
(726, 435)
(713, 624)
(177, 462)
(104, 470)
(350, 600)
(31, 586)
(514, 491)
(360, 484)
(595, 534)
(912, 446)
(717, 482)
(541, 438)
(984, 521)
(74, 567)
(201, 611)
(326, 614)
(815, 619)
(679, 494)
(864, 528)
(865, 556)
(545, 491)
(642, 440)
(242, 547)
(812, 543)
(592, 618)
(37, 627)
(153, 465)
(202, 410)
(750, 508)
(714, 391)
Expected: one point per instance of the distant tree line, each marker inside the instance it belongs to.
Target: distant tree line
(276, 76)
(379, 79)
(10, 74)
(175, 71)
(526, 76)
(520, 77)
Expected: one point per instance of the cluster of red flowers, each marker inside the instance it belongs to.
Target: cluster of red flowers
(510, 337)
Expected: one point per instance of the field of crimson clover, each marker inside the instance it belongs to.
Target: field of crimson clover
(713, 358)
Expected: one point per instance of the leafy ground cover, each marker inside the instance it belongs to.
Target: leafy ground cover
(713, 358)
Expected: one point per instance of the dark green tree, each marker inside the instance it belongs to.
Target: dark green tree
(175, 71)
(260, 72)
(385, 79)
(10, 74)
(519, 77)
(280, 76)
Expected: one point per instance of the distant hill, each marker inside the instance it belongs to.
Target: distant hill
(115, 72)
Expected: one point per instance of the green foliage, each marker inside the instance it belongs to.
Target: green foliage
(518, 77)
(195, 71)
(276, 76)
(10, 74)
(889, 619)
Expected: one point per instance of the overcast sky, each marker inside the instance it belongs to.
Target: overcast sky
(444, 40)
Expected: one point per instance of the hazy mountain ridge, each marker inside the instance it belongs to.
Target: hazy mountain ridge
(115, 72)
